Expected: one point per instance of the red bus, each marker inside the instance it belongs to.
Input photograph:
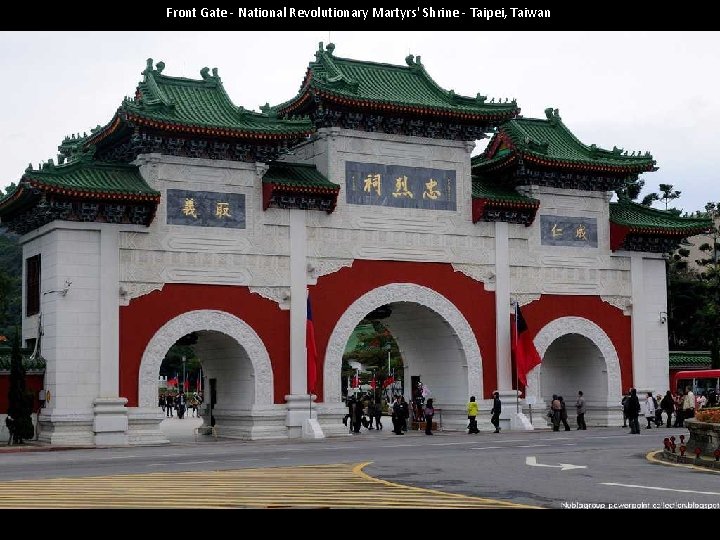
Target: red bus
(701, 381)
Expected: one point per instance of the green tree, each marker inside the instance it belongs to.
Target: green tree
(10, 283)
(19, 400)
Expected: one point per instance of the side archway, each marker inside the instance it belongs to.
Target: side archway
(407, 293)
(205, 320)
(566, 326)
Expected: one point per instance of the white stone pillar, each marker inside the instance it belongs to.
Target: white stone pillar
(502, 308)
(299, 403)
(649, 323)
(110, 422)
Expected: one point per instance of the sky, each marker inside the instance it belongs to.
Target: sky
(641, 91)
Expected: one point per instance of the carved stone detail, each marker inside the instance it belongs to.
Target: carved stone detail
(195, 321)
(584, 327)
(524, 299)
(280, 295)
(387, 294)
(130, 291)
(483, 274)
(322, 267)
(621, 302)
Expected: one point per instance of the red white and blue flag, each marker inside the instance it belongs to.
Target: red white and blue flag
(311, 350)
(526, 355)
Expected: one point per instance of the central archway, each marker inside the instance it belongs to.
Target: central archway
(420, 313)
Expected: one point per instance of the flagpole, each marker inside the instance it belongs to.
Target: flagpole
(517, 383)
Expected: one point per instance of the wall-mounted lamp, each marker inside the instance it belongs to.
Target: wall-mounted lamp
(63, 291)
(663, 317)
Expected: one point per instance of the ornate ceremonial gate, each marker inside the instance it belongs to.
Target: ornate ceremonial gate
(187, 214)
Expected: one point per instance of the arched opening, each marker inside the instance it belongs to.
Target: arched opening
(573, 363)
(237, 379)
(436, 345)
(578, 355)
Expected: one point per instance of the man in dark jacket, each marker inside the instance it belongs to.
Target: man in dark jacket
(495, 411)
(632, 410)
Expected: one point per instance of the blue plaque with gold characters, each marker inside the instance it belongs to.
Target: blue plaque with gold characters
(205, 209)
(399, 186)
(568, 231)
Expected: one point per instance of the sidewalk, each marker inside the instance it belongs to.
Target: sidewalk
(178, 431)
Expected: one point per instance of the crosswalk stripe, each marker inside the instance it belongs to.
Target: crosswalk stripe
(311, 486)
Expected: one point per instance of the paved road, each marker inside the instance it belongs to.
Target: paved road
(546, 469)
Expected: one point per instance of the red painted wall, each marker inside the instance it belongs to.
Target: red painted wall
(611, 319)
(140, 320)
(33, 383)
(334, 293)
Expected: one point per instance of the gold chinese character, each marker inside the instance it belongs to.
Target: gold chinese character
(556, 231)
(401, 188)
(222, 209)
(373, 182)
(189, 208)
(430, 191)
(581, 232)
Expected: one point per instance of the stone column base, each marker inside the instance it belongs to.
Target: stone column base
(66, 427)
(111, 421)
(330, 416)
(299, 408)
(144, 426)
(256, 423)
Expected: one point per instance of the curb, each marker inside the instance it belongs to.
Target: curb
(664, 457)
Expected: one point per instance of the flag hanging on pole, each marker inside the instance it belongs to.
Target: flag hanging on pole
(172, 382)
(311, 350)
(373, 384)
(186, 385)
(526, 355)
(355, 381)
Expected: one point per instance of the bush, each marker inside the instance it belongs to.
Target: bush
(711, 416)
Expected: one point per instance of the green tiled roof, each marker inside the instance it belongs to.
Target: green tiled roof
(200, 104)
(496, 192)
(297, 175)
(94, 177)
(643, 219)
(690, 359)
(550, 142)
(402, 86)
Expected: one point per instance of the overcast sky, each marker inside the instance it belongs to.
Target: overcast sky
(656, 91)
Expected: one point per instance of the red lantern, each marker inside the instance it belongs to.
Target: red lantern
(698, 451)
(682, 450)
(682, 439)
(666, 442)
(716, 453)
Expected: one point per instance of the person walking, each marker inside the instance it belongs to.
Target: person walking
(555, 410)
(649, 409)
(429, 413)
(580, 406)
(495, 412)
(472, 410)
(632, 406)
(563, 413)
(668, 405)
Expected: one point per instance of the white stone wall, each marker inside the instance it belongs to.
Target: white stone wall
(225, 360)
(71, 322)
(650, 341)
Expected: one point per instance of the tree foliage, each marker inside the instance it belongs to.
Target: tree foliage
(19, 399)
(10, 284)
(694, 294)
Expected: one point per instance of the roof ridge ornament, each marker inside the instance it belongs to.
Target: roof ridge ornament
(553, 115)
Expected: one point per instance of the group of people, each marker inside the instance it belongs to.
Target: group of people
(558, 412)
(179, 403)
(682, 405)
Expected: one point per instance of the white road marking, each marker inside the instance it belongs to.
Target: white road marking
(532, 461)
(655, 488)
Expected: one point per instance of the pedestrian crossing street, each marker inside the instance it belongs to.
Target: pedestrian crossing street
(315, 486)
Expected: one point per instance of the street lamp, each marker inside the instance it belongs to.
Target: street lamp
(183, 361)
